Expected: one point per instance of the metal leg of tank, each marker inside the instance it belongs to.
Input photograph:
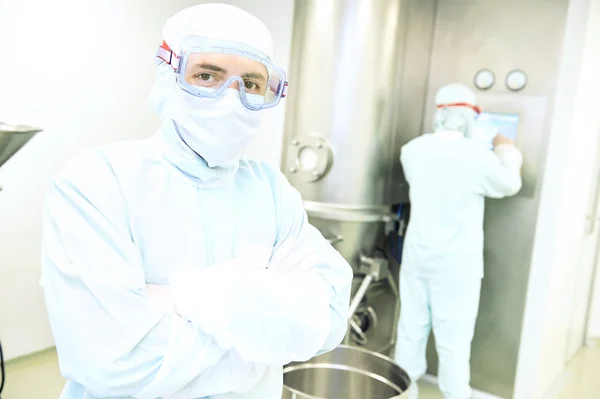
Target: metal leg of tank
(374, 307)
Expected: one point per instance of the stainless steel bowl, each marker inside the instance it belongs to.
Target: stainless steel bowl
(347, 372)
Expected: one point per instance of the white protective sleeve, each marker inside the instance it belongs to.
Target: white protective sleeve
(111, 337)
(292, 311)
(501, 172)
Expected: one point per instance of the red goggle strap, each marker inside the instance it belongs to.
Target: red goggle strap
(452, 105)
(165, 53)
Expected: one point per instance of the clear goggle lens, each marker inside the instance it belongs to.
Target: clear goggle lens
(259, 84)
(207, 71)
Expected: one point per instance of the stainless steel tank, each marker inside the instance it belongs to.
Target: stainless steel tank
(352, 63)
(358, 82)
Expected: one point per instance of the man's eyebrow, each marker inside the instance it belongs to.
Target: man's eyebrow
(210, 67)
(254, 75)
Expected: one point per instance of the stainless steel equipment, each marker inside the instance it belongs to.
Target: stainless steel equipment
(374, 307)
(377, 65)
(13, 138)
(369, 61)
(363, 57)
(345, 373)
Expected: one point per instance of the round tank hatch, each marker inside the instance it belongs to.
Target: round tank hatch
(309, 157)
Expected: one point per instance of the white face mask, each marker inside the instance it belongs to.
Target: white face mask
(217, 129)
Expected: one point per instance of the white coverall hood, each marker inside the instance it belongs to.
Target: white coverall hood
(456, 105)
(199, 135)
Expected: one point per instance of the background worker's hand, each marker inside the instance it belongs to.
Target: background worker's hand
(500, 139)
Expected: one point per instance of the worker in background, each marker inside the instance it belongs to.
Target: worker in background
(449, 172)
(174, 268)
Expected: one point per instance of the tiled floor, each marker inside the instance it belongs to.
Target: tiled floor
(37, 376)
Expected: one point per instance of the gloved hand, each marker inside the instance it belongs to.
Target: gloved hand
(509, 155)
(270, 316)
(500, 139)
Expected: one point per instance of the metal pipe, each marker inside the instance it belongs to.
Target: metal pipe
(360, 293)
(360, 335)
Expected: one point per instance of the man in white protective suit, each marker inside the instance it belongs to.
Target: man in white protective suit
(172, 267)
(449, 172)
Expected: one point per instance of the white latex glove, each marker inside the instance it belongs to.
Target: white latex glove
(500, 139)
(509, 155)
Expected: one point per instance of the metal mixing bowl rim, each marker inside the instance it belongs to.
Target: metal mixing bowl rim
(306, 366)
(331, 366)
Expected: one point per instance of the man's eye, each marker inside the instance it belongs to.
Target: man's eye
(205, 76)
(250, 85)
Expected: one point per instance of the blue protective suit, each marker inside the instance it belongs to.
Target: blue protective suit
(134, 213)
(442, 263)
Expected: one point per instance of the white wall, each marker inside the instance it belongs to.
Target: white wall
(82, 70)
(594, 322)
(591, 122)
(568, 174)
(594, 326)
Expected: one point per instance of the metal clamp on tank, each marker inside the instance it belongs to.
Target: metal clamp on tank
(310, 157)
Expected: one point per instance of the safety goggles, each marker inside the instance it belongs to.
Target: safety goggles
(453, 105)
(206, 68)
